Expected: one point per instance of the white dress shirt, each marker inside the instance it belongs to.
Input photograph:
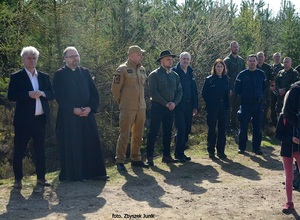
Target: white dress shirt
(35, 84)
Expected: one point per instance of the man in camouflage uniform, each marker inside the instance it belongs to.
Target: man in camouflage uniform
(262, 65)
(277, 66)
(128, 90)
(283, 82)
(234, 64)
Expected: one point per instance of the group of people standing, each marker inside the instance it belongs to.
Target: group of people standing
(76, 129)
(234, 95)
(174, 96)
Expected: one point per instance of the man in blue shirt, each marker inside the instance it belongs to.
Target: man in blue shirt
(250, 85)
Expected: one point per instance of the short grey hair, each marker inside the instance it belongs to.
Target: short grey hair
(185, 53)
(30, 50)
(277, 53)
(69, 48)
(260, 52)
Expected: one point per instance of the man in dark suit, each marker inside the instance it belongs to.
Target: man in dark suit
(31, 90)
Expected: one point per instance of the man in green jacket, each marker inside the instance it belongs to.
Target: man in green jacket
(165, 93)
(234, 64)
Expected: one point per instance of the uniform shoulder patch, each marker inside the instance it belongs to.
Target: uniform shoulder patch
(117, 79)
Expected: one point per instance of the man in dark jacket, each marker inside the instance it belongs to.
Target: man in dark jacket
(250, 85)
(276, 67)
(165, 94)
(31, 90)
(187, 108)
(284, 80)
(261, 64)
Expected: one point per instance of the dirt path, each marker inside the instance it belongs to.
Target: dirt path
(242, 187)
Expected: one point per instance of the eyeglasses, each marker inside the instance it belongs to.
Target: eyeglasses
(73, 56)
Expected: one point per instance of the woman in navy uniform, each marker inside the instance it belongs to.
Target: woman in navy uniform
(215, 93)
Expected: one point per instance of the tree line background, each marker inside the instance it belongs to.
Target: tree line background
(102, 31)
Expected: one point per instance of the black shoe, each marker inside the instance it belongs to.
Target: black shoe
(18, 184)
(222, 155)
(150, 163)
(168, 159)
(42, 182)
(211, 155)
(187, 158)
(139, 164)
(241, 151)
(181, 159)
(258, 152)
(121, 167)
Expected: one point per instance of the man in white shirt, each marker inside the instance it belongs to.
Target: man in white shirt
(31, 90)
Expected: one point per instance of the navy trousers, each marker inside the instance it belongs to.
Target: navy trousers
(217, 118)
(183, 124)
(250, 111)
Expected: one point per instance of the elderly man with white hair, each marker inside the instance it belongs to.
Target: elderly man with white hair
(31, 90)
(188, 106)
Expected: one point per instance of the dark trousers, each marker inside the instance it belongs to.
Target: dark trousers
(232, 121)
(250, 111)
(273, 102)
(266, 107)
(183, 124)
(36, 131)
(160, 114)
(216, 116)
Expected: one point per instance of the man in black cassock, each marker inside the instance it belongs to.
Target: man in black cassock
(76, 128)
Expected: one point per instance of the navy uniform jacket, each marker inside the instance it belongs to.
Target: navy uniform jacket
(250, 85)
(189, 87)
(216, 89)
(18, 89)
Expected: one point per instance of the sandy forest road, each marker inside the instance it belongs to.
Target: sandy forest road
(242, 187)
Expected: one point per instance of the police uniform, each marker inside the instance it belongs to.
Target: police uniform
(250, 86)
(270, 77)
(184, 110)
(215, 93)
(273, 98)
(234, 67)
(128, 90)
(284, 80)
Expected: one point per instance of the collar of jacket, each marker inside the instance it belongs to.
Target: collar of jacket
(178, 68)
(133, 65)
